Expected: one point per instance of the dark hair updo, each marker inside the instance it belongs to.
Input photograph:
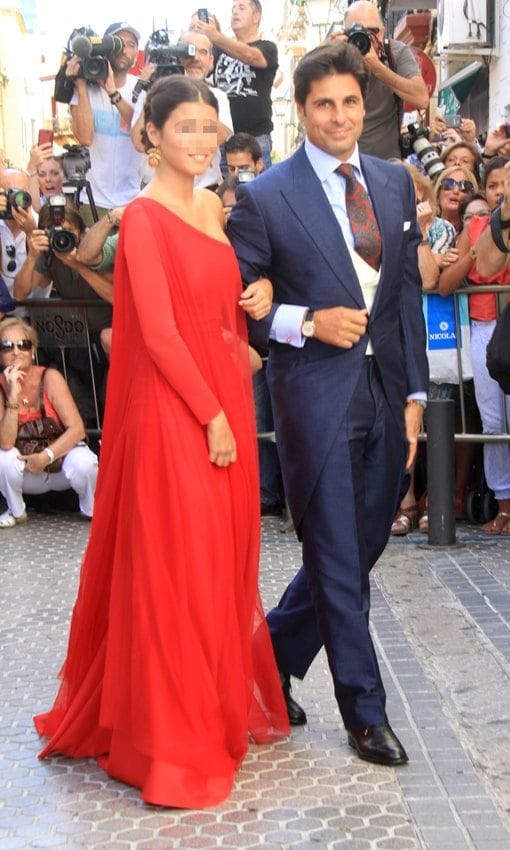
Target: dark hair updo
(167, 94)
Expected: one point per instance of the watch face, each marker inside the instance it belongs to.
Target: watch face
(308, 329)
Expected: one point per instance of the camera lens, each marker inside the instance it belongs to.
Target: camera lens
(360, 38)
(20, 199)
(63, 242)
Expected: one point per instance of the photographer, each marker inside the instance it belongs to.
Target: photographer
(394, 76)
(70, 278)
(243, 153)
(101, 118)
(198, 66)
(245, 68)
(16, 223)
(494, 255)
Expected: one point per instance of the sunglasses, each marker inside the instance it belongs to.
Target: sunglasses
(462, 185)
(6, 345)
(10, 250)
(480, 213)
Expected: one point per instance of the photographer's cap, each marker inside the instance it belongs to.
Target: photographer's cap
(113, 29)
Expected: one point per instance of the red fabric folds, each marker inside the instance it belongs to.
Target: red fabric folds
(170, 666)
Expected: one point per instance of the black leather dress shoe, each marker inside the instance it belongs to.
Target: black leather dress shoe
(297, 716)
(378, 744)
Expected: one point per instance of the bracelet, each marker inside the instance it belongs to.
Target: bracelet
(115, 97)
(50, 453)
(109, 219)
(424, 242)
(497, 226)
(12, 405)
(488, 155)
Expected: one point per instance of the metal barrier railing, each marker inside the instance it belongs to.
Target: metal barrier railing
(62, 324)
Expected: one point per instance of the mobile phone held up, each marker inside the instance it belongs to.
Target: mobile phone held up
(453, 121)
(203, 15)
(45, 137)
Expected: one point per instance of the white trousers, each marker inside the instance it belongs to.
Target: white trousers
(490, 400)
(79, 471)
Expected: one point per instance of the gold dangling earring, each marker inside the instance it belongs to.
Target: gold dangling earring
(153, 157)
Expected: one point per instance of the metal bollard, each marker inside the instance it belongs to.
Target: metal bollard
(441, 472)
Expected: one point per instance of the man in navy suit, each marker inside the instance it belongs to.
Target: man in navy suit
(348, 377)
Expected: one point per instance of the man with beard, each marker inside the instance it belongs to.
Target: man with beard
(101, 118)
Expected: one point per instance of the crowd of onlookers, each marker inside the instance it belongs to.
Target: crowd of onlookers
(454, 199)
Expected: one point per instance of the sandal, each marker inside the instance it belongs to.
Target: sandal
(499, 525)
(7, 520)
(405, 521)
(423, 524)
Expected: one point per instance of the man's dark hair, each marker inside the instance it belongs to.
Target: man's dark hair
(72, 215)
(244, 142)
(167, 94)
(496, 162)
(229, 184)
(325, 61)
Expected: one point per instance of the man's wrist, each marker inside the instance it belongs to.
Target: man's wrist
(115, 97)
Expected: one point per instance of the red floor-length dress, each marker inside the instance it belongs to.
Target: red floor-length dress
(170, 666)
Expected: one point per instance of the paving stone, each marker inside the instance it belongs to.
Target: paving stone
(440, 643)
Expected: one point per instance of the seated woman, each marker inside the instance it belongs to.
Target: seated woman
(29, 392)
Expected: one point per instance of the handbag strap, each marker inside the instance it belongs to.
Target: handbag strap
(41, 394)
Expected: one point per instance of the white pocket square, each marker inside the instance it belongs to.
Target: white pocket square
(407, 225)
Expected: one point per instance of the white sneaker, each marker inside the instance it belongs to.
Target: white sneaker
(7, 520)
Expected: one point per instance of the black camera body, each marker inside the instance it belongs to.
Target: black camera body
(75, 162)
(61, 241)
(17, 199)
(360, 38)
(416, 138)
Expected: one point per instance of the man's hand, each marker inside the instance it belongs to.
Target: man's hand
(24, 219)
(38, 243)
(73, 67)
(211, 30)
(109, 84)
(70, 260)
(340, 326)
(413, 416)
(257, 298)
(38, 154)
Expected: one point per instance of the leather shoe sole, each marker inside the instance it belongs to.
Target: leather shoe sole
(378, 744)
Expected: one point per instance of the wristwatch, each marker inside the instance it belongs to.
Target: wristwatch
(420, 401)
(308, 326)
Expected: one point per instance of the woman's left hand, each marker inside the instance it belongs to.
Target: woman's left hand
(257, 298)
(36, 463)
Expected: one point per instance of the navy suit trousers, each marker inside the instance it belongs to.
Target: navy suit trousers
(345, 529)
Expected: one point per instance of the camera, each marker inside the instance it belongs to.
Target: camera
(416, 138)
(61, 241)
(245, 175)
(75, 161)
(360, 37)
(166, 58)
(17, 199)
(453, 121)
(95, 54)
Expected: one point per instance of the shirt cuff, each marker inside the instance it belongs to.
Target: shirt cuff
(286, 326)
(417, 396)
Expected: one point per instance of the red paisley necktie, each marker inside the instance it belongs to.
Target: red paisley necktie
(367, 238)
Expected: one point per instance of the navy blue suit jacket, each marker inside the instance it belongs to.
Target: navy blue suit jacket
(282, 227)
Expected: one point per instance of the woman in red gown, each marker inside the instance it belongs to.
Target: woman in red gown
(170, 668)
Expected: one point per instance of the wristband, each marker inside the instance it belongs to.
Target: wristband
(115, 97)
(488, 155)
(424, 242)
(12, 405)
(50, 453)
(497, 226)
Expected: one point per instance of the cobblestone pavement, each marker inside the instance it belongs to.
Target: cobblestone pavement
(441, 626)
